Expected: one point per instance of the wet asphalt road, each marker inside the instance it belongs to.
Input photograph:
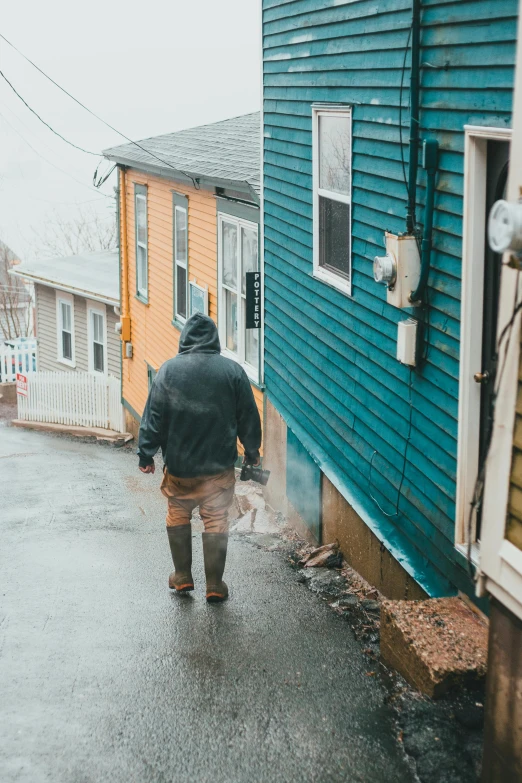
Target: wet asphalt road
(106, 676)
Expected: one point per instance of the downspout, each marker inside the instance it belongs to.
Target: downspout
(414, 117)
(430, 156)
(125, 309)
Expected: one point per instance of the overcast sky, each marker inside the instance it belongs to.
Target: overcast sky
(146, 67)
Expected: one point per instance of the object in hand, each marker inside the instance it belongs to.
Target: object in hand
(255, 473)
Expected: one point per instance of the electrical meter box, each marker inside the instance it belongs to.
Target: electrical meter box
(407, 342)
(399, 269)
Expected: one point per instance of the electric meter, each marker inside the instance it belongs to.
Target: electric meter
(385, 270)
(505, 227)
(399, 269)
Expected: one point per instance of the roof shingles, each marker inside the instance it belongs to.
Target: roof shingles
(228, 150)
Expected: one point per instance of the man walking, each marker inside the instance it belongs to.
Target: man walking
(200, 403)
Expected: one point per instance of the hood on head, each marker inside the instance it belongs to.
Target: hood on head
(199, 335)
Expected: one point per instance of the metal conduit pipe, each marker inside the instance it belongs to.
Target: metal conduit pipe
(414, 117)
(430, 163)
(125, 310)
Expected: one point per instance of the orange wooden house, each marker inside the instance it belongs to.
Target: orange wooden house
(189, 231)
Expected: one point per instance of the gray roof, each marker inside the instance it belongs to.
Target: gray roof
(92, 275)
(226, 151)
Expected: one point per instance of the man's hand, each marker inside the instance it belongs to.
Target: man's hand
(149, 468)
(249, 462)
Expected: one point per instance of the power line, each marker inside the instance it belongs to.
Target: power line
(4, 77)
(63, 171)
(86, 108)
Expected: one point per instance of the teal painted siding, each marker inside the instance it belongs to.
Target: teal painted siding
(330, 365)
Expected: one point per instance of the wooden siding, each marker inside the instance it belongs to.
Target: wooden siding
(46, 331)
(330, 365)
(154, 337)
(514, 520)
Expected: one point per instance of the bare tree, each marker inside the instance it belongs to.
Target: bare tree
(87, 232)
(15, 299)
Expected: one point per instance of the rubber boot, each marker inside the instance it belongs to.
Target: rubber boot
(180, 540)
(215, 555)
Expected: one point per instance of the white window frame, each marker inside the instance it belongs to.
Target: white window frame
(140, 195)
(68, 299)
(328, 276)
(98, 309)
(179, 208)
(252, 372)
(472, 304)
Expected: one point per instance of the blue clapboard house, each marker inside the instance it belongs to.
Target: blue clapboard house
(386, 131)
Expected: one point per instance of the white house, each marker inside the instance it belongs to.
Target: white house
(77, 304)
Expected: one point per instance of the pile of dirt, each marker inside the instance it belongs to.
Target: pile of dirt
(439, 644)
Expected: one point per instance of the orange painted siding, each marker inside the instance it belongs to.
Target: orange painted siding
(154, 338)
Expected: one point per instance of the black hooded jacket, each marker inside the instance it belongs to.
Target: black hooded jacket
(199, 404)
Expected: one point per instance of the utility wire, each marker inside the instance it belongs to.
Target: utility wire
(88, 152)
(63, 171)
(403, 72)
(97, 116)
(403, 471)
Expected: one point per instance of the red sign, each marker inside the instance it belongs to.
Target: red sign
(21, 384)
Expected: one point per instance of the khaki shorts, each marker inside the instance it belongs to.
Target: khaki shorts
(213, 494)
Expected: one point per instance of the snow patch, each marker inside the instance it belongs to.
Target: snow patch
(249, 513)
(282, 56)
(297, 39)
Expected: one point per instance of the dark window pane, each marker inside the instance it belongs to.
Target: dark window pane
(67, 345)
(98, 357)
(334, 236)
(181, 291)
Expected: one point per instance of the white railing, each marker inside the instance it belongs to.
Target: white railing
(73, 398)
(21, 358)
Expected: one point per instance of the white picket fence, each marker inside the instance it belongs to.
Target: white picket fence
(22, 358)
(74, 398)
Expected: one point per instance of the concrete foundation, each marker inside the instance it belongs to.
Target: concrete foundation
(363, 550)
(503, 725)
(274, 459)
(131, 424)
(360, 547)
(297, 523)
(110, 436)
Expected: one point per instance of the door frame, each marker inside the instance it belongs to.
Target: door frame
(472, 303)
(500, 561)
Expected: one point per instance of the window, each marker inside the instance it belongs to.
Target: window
(180, 207)
(332, 166)
(65, 328)
(97, 335)
(238, 254)
(142, 263)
